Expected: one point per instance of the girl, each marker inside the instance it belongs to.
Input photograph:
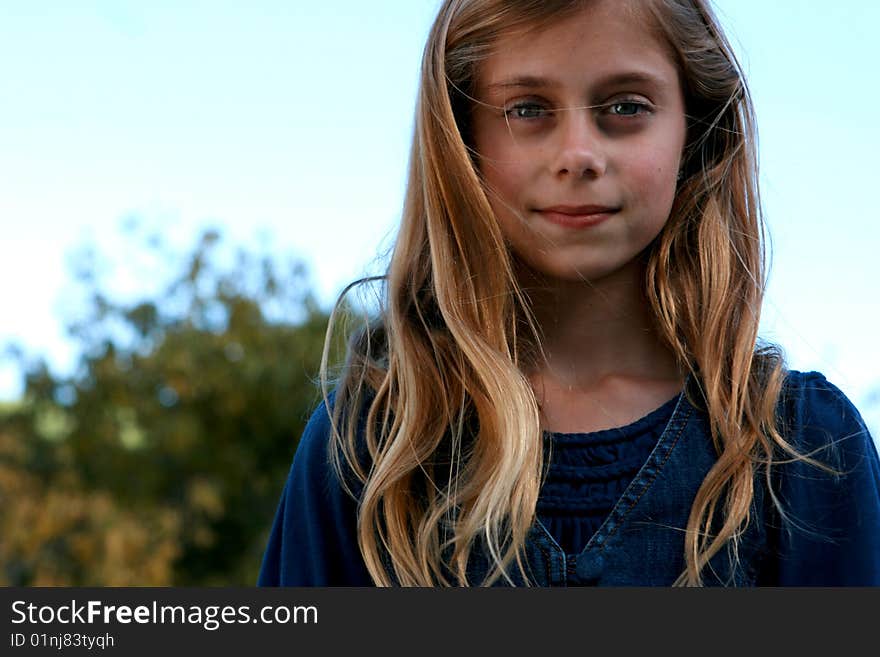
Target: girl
(565, 384)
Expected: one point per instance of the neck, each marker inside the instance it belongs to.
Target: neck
(595, 331)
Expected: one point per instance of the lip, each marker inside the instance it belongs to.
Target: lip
(577, 216)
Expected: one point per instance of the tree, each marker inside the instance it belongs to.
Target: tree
(161, 460)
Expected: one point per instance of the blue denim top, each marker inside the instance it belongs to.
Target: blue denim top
(829, 536)
(586, 473)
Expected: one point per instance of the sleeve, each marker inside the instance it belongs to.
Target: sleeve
(831, 536)
(313, 541)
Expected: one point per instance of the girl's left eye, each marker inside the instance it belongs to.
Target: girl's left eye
(626, 108)
(526, 111)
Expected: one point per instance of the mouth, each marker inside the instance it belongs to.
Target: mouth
(577, 216)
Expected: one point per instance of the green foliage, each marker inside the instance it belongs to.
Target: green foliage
(161, 461)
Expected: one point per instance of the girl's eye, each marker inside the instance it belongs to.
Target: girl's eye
(626, 108)
(526, 111)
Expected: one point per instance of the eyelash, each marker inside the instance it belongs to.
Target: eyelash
(510, 113)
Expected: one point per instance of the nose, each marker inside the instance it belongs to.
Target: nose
(579, 151)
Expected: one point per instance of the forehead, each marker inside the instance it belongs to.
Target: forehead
(602, 40)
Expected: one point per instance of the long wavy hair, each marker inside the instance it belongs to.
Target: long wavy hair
(436, 430)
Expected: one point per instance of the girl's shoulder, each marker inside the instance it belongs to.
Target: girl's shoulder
(821, 423)
(817, 413)
(314, 440)
(812, 390)
(313, 541)
(316, 444)
(311, 461)
(830, 534)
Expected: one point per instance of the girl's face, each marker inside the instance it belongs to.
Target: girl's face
(579, 193)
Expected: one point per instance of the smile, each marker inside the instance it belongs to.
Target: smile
(577, 216)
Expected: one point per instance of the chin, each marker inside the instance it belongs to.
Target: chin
(569, 271)
(591, 275)
(587, 272)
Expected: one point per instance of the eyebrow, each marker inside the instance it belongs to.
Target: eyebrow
(536, 82)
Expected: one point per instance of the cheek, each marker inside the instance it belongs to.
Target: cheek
(504, 176)
(652, 178)
(501, 189)
(502, 164)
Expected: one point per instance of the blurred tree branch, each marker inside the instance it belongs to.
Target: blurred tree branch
(161, 460)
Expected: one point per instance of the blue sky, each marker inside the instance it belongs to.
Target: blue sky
(293, 119)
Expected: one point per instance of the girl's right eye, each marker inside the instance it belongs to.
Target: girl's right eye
(526, 111)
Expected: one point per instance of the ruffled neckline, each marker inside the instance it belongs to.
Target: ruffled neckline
(613, 434)
(587, 473)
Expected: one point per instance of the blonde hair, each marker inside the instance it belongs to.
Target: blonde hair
(448, 454)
